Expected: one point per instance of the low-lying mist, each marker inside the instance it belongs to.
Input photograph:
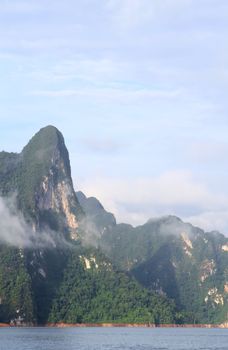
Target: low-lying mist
(89, 232)
(16, 232)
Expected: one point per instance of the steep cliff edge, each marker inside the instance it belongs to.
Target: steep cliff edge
(67, 260)
(41, 178)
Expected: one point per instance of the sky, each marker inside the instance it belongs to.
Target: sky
(139, 90)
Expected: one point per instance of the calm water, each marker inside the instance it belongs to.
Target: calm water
(113, 339)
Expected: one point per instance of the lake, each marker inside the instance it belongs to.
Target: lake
(113, 339)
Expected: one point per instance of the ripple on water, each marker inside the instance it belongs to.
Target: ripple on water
(113, 339)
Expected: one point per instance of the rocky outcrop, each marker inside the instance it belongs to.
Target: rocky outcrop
(40, 176)
(96, 213)
(56, 193)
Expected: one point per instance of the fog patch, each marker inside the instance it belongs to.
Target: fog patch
(15, 231)
(174, 226)
(91, 234)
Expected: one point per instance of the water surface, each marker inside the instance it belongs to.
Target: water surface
(113, 339)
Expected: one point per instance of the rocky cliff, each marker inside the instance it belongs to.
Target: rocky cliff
(95, 270)
(40, 176)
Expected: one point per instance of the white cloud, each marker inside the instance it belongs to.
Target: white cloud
(113, 94)
(103, 146)
(166, 59)
(90, 70)
(15, 231)
(170, 188)
(210, 221)
(20, 7)
(210, 151)
(136, 200)
(130, 13)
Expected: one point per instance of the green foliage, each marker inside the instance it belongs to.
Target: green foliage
(147, 274)
(38, 160)
(8, 165)
(101, 294)
(45, 266)
(157, 256)
(15, 286)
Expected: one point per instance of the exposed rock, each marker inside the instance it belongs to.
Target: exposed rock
(226, 287)
(216, 297)
(89, 262)
(207, 269)
(225, 247)
(45, 163)
(187, 243)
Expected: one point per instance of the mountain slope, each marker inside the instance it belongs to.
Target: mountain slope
(91, 283)
(41, 177)
(177, 260)
(55, 277)
(68, 260)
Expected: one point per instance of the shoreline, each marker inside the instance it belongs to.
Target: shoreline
(113, 325)
(133, 325)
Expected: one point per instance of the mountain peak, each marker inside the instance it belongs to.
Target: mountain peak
(45, 147)
(45, 177)
(50, 135)
(166, 219)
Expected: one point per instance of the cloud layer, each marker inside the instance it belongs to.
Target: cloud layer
(138, 88)
(177, 193)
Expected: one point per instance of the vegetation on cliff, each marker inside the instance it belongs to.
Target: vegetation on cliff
(91, 269)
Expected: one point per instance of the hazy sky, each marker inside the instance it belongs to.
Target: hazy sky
(139, 90)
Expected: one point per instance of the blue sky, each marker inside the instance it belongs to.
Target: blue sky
(139, 90)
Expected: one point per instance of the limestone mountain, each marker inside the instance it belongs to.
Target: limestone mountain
(41, 177)
(96, 270)
(97, 220)
(66, 280)
(178, 260)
